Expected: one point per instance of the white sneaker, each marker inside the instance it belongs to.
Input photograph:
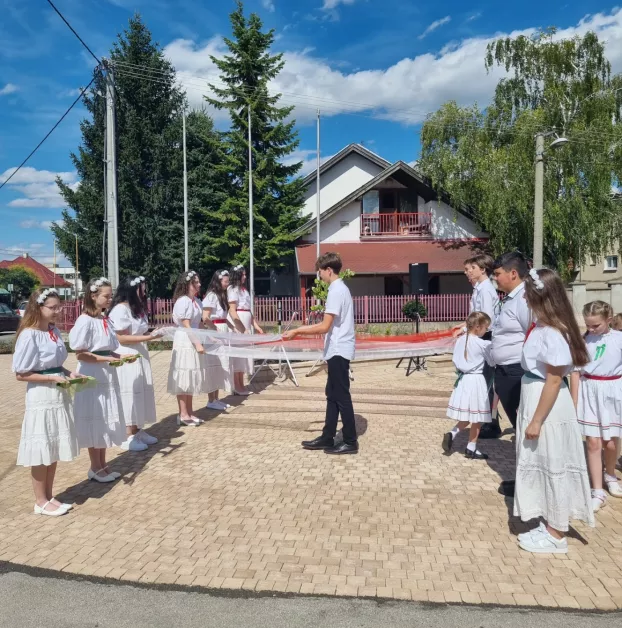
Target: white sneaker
(534, 532)
(133, 444)
(544, 544)
(214, 405)
(223, 404)
(614, 488)
(599, 500)
(146, 438)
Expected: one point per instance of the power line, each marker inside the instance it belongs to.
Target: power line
(62, 17)
(36, 148)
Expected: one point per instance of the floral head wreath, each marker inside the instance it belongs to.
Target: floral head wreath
(238, 267)
(49, 292)
(102, 281)
(537, 282)
(137, 281)
(223, 273)
(190, 276)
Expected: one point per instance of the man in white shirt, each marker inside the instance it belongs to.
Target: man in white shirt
(338, 325)
(508, 336)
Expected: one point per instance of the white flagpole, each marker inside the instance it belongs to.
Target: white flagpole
(251, 286)
(317, 189)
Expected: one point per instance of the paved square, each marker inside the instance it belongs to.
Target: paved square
(236, 504)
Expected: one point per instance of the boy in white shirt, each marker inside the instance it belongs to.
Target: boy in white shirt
(338, 325)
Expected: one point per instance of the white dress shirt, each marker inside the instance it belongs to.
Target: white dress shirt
(510, 326)
(340, 338)
(485, 299)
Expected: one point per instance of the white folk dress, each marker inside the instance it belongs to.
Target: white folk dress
(469, 399)
(98, 410)
(600, 400)
(242, 298)
(187, 373)
(48, 428)
(218, 316)
(135, 380)
(551, 473)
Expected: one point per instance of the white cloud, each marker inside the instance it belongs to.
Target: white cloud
(404, 92)
(436, 24)
(268, 5)
(39, 224)
(475, 16)
(37, 188)
(9, 88)
(329, 5)
(308, 159)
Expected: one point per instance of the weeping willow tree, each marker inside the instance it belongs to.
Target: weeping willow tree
(485, 158)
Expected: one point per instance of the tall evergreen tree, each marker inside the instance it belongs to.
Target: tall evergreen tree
(150, 191)
(277, 191)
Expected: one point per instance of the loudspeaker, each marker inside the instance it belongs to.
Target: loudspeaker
(418, 278)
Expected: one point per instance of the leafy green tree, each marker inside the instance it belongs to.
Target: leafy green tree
(277, 192)
(24, 281)
(485, 159)
(150, 190)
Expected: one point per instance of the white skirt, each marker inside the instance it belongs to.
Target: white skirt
(227, 363)
(136, 386)
(551, 473)
(48, 429)
(193, 373)
(469, 400)
(600, 408)
(244, 365)
(98, 410)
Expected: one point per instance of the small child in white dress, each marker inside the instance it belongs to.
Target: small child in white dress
(598, 396)
(469, 403)
(48, 430)
(98, 410)
(551, 473)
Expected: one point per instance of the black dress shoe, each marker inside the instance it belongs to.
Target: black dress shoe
(321, 442)
(475, 455)
(490, 430)
(507, 488)
(448, 440)
(343, 448)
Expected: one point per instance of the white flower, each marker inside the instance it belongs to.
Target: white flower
(537, 282)
(102, 281)
(190, 275)
(49, 292)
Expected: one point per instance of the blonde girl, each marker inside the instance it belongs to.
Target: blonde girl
(48, 430)
(598, 397)
(469, 403)
(98, 410)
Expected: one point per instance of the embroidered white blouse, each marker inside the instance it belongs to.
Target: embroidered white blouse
(93, 334)
(37, 350)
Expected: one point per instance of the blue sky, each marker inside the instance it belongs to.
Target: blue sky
(374, 68)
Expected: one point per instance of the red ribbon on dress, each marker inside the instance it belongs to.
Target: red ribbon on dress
(105, 322)
(52, 333)
(601, 378)
(533, 326)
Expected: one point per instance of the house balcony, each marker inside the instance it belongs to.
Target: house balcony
(396, 225)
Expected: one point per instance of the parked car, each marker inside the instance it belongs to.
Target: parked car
(9, 320)
(21, 308)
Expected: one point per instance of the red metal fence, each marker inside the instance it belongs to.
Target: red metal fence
(367, 309)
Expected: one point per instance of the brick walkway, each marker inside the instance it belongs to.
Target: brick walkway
(236, 504)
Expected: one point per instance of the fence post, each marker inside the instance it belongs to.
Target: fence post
(366, 309)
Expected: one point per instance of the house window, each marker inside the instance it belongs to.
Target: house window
(593, 260)
(344, 223)
(611, 262)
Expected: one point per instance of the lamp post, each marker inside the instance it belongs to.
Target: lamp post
(538, 208)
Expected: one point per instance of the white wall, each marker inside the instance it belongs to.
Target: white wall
(448, 224)
(331, 229)
(339, 181)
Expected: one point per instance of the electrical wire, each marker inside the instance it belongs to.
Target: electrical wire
(71, 28)
(36, 148)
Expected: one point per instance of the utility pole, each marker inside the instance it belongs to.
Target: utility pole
(251, 269)
(538, 208)
(111, 178)
(54, 280)
(317, 189)
(77, 274)
(186, 260)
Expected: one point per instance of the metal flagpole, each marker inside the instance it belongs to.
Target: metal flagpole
(250, 215)
(317, 190)
(111, 180)
(54, 262)
(186, 261)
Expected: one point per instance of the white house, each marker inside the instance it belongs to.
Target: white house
(380, 217)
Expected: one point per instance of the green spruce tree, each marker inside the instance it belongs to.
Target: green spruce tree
(277, 191)
(150, 189)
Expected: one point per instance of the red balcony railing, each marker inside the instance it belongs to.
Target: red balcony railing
(396, 224)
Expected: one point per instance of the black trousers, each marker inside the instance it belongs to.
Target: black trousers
(507, 386)
(339, 401)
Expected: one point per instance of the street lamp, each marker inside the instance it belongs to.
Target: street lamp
(538, 211)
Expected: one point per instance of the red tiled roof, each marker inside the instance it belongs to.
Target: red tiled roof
(45, 275)
(386, 258)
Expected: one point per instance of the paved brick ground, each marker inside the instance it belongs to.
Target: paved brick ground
(237, 504)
